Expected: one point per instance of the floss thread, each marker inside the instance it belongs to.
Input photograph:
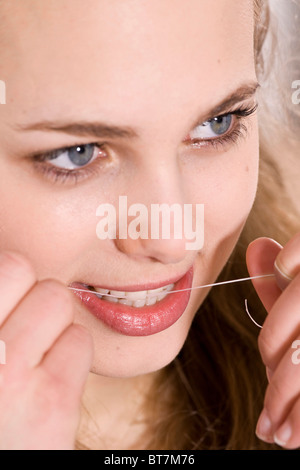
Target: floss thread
(201, 287)
(282, 279)
(188, 288)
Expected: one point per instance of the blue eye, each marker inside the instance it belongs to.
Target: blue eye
(213, 128)
(74, 157)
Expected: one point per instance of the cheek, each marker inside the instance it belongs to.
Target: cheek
(50, 227)
(235, 189)
(230, 204)
(227, 187)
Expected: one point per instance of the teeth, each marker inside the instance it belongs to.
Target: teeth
(139, 303)
(135, 299)
(103, 291)
(111, 299)
(151, 300)
(117, 293)
(161, 296)
(125, 302)
(136, 295)
(155, 291)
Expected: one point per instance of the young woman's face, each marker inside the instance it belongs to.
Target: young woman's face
(135, 80)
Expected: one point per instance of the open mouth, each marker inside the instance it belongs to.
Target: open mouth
(133, 299)
(140, 312)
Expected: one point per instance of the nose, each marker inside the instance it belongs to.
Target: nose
(158, 239)
(155, 216)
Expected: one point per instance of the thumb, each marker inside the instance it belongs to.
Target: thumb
(260, 257)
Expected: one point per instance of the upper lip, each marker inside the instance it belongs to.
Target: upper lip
(142, 286)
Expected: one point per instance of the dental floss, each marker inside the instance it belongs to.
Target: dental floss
(282, 280)
(248, 313)
(200, 287)
(182, 290)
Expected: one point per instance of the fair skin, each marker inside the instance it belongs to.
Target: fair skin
(154, 68)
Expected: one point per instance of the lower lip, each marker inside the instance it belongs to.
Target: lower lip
(141, 321)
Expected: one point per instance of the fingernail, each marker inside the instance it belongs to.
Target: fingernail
(264, 427)
(283, 435)
(282, 279)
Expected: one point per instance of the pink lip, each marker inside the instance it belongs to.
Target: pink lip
(141, 321)
(137, 287)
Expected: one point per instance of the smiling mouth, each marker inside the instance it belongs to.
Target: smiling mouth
(137, 299)
(137, 312)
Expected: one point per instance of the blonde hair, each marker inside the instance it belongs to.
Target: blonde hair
(211, 395)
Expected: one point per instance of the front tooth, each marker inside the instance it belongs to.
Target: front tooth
(151, 300)
(111, 299)
(117, 293)
(161, 296)
(136, 295)
(126, 302)
(155, 291)
(161, 289)
(139, 303)
(169, 287)
(101, 291)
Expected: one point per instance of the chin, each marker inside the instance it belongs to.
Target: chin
(121, 356)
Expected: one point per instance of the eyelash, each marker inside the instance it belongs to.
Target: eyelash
(238, 130)
(60, 175)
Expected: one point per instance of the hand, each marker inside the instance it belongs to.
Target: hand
(280, 419)
(48, 359)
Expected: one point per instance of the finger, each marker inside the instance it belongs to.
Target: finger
(288, 434)
(69, 360)
(36, 323)
(16, 278)
(288, 261)
(281, 396)
(283, 388)
(260, 257)
(281, 326)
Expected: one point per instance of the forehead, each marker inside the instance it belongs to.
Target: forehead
(103, 53)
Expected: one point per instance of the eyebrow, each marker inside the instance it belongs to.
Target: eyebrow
(242, 93)
(104, 130)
